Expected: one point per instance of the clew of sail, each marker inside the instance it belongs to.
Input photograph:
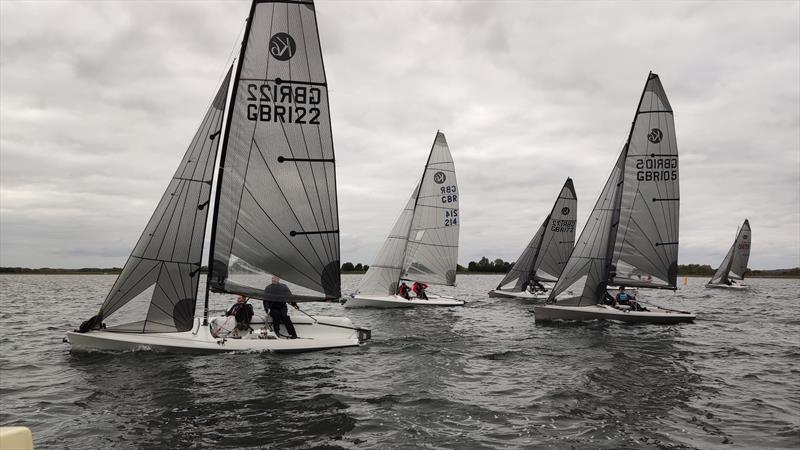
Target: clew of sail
(431, 255)
(583, 280)
(277, 205)
(157, 289)
(646, 244)
(382, 276)
(547, 253)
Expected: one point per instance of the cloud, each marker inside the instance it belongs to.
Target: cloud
(98, 101)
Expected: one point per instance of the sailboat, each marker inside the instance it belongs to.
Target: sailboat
(275, 209)
(544, 257)
(733, 267)
(631, 237)
(423, 244)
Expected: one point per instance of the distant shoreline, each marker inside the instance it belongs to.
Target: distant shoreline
(778, 273)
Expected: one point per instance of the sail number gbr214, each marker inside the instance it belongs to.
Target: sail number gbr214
(286, 103)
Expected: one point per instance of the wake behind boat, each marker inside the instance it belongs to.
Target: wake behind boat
(631, 237)
(731, 272)
(274, 215)
(423, 244)
(543, 259)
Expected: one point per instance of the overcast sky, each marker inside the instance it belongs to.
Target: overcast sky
(99, 100)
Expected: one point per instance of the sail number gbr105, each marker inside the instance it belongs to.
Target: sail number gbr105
(286, 103)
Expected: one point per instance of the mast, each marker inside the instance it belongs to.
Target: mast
(612, 240)
(414, 211)
(221, 159)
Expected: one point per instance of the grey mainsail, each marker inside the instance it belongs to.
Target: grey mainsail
(157, 289)
(646, 245)
(277, 207)
(547, 253)
(734, 265)
(432, 252)
(631, 237)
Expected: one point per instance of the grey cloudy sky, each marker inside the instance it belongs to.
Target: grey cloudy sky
(98, 102)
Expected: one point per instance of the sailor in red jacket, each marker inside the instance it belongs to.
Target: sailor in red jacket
(419, 290)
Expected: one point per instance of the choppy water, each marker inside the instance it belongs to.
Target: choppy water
(480, 376)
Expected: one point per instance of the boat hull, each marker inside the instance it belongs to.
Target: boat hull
(733, 287)
(322, 334)
(524, 295)
(396, 301)
(655, 315)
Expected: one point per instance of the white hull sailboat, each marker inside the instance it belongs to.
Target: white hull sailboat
(543, 259)
(731, 272)
(423, 244)
(319, 333)
(631, 237)
(654, 314)
(733, 286)
(522, 295)
(274, 226)
(396, 301)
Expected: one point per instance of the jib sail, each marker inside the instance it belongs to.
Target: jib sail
(383, 275)
(157, 289)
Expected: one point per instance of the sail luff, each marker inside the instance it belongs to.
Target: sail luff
(414, 210)
(618, 200)
(221, 158)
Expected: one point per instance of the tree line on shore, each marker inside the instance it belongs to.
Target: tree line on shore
(484, 265)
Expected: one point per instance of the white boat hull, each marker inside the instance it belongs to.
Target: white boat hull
(326, 333)
(396, 301)
(735, 287)
(524, 295)
(546, 313)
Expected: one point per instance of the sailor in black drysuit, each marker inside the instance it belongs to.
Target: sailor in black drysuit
(278, 311)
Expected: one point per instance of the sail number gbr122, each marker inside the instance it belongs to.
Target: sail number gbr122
(283, 103)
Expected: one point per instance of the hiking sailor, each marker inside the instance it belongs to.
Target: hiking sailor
(278, 310)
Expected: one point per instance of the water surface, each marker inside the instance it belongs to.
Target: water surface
(480, 376)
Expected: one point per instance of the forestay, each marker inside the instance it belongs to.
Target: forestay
(157, 289)
(277, 208)
(547, 253)
(631, 237)
(735, 263)
(432, 252)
